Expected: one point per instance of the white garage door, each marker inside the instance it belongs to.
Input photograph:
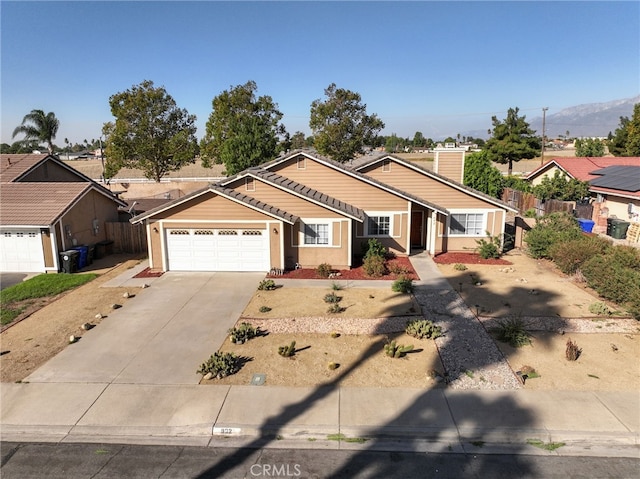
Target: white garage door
(217, 250)
(21, 250)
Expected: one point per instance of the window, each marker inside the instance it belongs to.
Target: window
(316, 234)
(302, 163)
(386, 166)
(379, 225)
(249, 185)
(468, 224)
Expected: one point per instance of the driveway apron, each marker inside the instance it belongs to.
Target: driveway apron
(160, 336)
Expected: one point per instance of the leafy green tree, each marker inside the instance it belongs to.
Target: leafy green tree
(633, 133)
(481, 175)
(243, 130)
(40, 126)
(617, 143)
(340, 124)
(392, 143)
(589, 147)
(558, 187)
(512, 140)
(150, 132)
(298, 140)
(517, 183)
(419, 139)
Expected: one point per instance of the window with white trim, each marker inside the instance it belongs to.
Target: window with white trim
(467, 224)
(316, 233)
(379, 225)
(249, 184)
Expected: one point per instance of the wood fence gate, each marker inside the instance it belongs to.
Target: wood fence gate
(127, 238)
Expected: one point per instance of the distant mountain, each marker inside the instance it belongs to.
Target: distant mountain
(591, 119)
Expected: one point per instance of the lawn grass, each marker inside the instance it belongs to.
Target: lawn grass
(41, 286)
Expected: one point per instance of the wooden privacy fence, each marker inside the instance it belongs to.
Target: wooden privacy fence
(127, 238)
(527, 201)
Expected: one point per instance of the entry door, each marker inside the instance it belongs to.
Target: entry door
(417, 229)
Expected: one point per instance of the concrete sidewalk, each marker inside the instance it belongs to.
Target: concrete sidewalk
(590, 423)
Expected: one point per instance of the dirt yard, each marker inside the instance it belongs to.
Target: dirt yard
(31, 342)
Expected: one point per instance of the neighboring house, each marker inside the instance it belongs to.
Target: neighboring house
(303, 209)
(47, 207)
(614, 182)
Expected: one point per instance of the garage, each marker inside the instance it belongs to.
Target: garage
(208, 249)
(21, 250)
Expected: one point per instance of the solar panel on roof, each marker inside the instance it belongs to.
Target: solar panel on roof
(624, 178)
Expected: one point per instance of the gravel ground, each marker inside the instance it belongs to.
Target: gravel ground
(572, 325)
(327, 325)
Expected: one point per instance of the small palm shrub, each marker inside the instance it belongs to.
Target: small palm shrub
(267, 285)
(332, 298)
(423, 328)
(374, 266)
(512, 331)
(220, 365)
(335, 308)
(323, 270)
(402, 285)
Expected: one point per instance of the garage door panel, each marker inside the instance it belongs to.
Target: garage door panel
(21, 251)
(217, 250)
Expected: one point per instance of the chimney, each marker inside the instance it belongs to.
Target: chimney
(449, 162)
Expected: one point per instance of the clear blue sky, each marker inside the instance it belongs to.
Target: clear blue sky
(441, 68)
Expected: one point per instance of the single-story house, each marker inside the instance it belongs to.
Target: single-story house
(303, 209)
(47, 207)
(614, 182)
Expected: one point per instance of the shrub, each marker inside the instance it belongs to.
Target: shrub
(332, 298)
(551, 229)
(612, 279)
(572, 352)
(323, 270)
(220, 365)
(460, 267)
(600, 309)
(335, 308)
(287, 351)
(265, 309)
(244, 332)
(530, 213)
(489, 248)
(570, 255)
(267, 285)
(402, 285)
(423, 328)
(336, 286)
(374, 266)
(512, 331)
(398, 269)
(373, 247)
(394, 350)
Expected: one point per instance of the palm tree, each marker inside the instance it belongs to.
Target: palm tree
(37, 125)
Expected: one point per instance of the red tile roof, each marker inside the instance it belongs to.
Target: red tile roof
(581, 167)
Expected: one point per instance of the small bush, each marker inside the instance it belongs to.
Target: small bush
(287, 351)
(489, 248)
(374, 266)
(332, 298)
(265, 309)
(402, 285)
(460, 267)
(570, 255)
(267, 285)
(551, 229)
(220, 365)
(244, 332)
(600, 309)
(572, 352)
(530, 213)
(323, 270)
(336, 286)
(394, 350)
(423, 328)
(335, 308)
(512, 331)
(373, 247)
(398, 269)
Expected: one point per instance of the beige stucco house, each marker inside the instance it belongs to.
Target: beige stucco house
(303, 209)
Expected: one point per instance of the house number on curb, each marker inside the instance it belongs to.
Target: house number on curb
(225, 431)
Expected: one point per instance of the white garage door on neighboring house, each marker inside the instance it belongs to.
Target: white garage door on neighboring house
(21, 250)
(203, 249)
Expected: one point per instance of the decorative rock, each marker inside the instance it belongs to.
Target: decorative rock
(116, 306)
(87, 326)
(99, 316)
(144, 285)
(72, 339)
(125, 295)
(208, 376)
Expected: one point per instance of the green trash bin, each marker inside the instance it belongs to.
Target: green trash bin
(619, 228)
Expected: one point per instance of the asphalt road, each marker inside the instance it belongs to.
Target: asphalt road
(75, 461)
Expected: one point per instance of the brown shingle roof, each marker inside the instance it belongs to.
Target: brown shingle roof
(22, 204)
(14, 165)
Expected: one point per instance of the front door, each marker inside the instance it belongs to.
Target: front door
(417, 229)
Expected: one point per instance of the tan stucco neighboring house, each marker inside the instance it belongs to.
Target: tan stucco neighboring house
(614, 182)
(303, 210)
(47, 207)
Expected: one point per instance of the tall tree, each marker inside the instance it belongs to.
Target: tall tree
(512, 140)
(419, 139)
(298, 140)
(36, 125)
(633, 133)
(589, 147)
(481, 175)
(150, 132)
(617, 143)
(340, 124)
(243, 130)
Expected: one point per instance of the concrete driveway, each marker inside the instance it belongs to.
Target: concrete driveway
(161, 336)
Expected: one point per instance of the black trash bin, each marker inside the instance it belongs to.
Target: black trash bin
(69, 261)
(104, 248)
(91, 252)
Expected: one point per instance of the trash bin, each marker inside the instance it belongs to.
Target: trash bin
(619, 229)
(69, 261)
(104, 248)
(91, 252)
(586, 225)
(82, 258)
(610, 224)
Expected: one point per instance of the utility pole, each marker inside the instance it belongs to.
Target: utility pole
(544, 118)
